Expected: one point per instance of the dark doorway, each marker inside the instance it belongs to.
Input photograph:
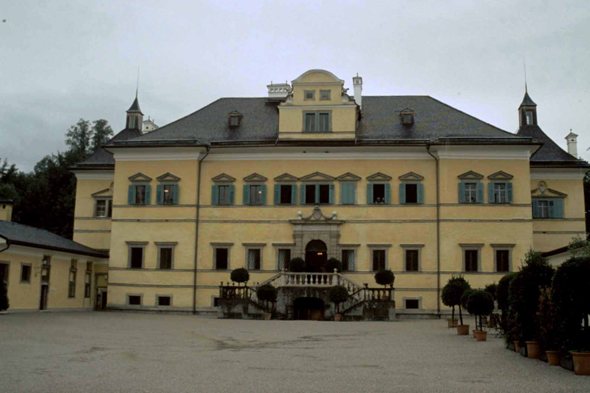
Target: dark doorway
(44, 292)
(308, 308)
(316, 255)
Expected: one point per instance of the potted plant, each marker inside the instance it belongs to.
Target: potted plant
(491, 289)
(338, 294)
(447, 299)
(480, 303)
(297, 265)
(4, 304)
(384, 277)
(464, 300)
(505, 325)
(457, 285)
(333, 264)
(240, 275)
(547, 319)
(267, 294)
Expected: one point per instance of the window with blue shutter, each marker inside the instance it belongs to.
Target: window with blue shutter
(317, 194)
(557, 208)
(378, 194)
(160, 194)
(402, 193)
(293, 194)
(231, 194)
(369, 194)
(331, 194)
(215, 195)
(470, 192)
(548, 208)
(246, 195)
(167, 194)
(411, 193)
(131, 195)
(254, 194)
(499, 192)
(387, 193)
(420, 193)
(148, 194)
(347, 193)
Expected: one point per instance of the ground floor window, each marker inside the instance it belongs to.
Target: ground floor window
(471, 260)
(254, 259)
(72, 279)
(164, 300)
(134, 300)
(284, 258)
(25, 273)
(348, 260)
(379, 260)
(412, 304)
(503, 261)
(221, 258)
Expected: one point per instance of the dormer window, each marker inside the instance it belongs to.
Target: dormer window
(529, 118)
(234, 119)
(407, 117)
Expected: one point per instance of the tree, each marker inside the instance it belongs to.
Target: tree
(504, 305)
(101, 133)
(240, 275)
(338, 294)
(78, 138)
(297, 265)
(332, 264)
(384, 277)
(268, 294)
(7, 172)
(453, 291)
(480, 303)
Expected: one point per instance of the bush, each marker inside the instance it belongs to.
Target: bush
(338, 294)
(240, 275)
(480, 303)
(267, 293)
(297, 265)
(465, 298)
(507, 321)
(452, 292)
(384, 277)
(332, 264)
(4, 304)
(571, 294)
(546, 321)
(491, 289)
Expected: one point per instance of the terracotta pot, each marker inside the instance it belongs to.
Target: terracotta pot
(337, 317)
(267, 316)
(481, 335)
(516, 346)
(581, 363)
(452, 323)
(553, 358)
(463, 330)
(474, 333)
(532, 348)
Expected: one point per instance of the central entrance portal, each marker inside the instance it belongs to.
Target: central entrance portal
(316, 255)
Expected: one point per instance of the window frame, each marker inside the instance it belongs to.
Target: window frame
(165, 245)
(305, 92)
(130, 246)
(254, 247)
(471, 247)
(228, 247)
(72, 283)
(532, 118)
(349, 248)
(551, 208)
(88, 280)
(30, 266)
(503, 247)
(418, 298)
(470, 193)
(329, 95)
(379, 247)
(127, 299)
(403, 195)
(144, 203)
(317, 193)
(158, 296)
(108, 207)
(316, 127)
(283, 246)
(354, 196)
(386, 185)
(411, 247)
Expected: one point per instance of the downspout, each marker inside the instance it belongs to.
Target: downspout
(437, 232)
(7, 243)
(197, 229)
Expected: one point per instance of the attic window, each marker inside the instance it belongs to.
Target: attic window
(234, 119)
(407, 117)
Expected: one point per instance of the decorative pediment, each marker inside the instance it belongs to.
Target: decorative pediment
(411, 176)
(223, 178)
(168, 177)
(107, 192)
(140, 177)
(255, 177)
(379, 177)
(548, 193)
(317, 215)
(348, 177)
(285, 177)
(470, 176)
(317, 176)
(500, 175)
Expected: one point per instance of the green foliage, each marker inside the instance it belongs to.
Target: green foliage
(240, 275)
(480, 303)
(547, 321)
(297, 265)
(7, 172)
(332, 264)
(4, 304)
(267, 293)
(465, 298)
(502, 293)
(8, 191)
(101, 133)
(338, 294)
(491, 289)
(384, 277)
(78, 138)
(452, 292)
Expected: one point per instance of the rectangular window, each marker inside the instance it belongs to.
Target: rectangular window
(256, 195)
(284, 258)
(470, 193)
(224, 195)
(500, 193)
(216, 301)
(348, 260)
(254, 258)
(325, 95)
(502, 260)
(87, 284)
(72, 278)
(378, 193)
(543, 209)
(25, 274)
(529, 118)
(310, 122)
(471, 260)
(412, 304)
(324, 122)
(347, 193)
(310, 194)
(134, 300)
(412, 263)
(168, 190)
(221, 258)
(324, 194)
(165, 258)
(379, 260)
(136, 258)
(104, 208)
(411, 193)
(45, 269)
(140, 194)
(285, 194)
(4, 274)
(317, 122)
(309, 95)
(164, 301)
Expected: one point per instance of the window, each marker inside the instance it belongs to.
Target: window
(314, 194)
(136, 261)
(216, 301)
(411, 193)
(548, 208)
(543, 209)
(348, 260)
(347, 193)
(503, 260)
(470, 192)
(309, 95)
(134, 300)
(284, 258)
(222, 195)
(104, 208)
(379, 260)
(378, 194)
(139, 194)
(131, 121)
(412, 260)
(25, 273)
(254, 259)
(500, 192)
(325, 95)
(165, 258)
(164, 300)
(87, 284)
(45, 269)
(529, 118)
(407, 119)
(317, 121)
(169, 194)
(285, 194)
(471, 260)
(221, 258)
(412, 304)
(72, 278)
(234, 119)
(254, 194)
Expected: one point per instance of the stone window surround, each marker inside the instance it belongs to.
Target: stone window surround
(328, 98)
(354, 248)
(343, 182)
(305, 95)
(159, 295)
(73, 269)
(254, 246)
(498, 247)
(282, 246)
(215, 246)
(471, 246)
(419, 298)
(379, 247)
(30, 265)
(159, 246)
(136, 244)
(406, 247)
(128, 295)
(109, 201)
(317, 123)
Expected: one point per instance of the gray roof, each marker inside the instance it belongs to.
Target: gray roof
(24, 235)
(550, 152)
(135, 106)
(103, 159)
(526, 101)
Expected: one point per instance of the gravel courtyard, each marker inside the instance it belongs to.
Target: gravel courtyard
(133, 352)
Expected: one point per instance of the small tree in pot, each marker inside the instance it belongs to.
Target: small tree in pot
(547, 324)
(297, 265)
(267, 294)
(338, 294)
(240, 275)
(491, 289)
(506, 320)
(450, 300)
(480, 303)
(384, 277)
(333, 264)
(455, 289)
(464, 300)
(4, 304)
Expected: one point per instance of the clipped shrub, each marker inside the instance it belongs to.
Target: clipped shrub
(480, 303)
(491, 289)
(547, 321)
(384, 277)
(332, 264)
(338, 294)
(465, 298)
(240, 275)
(4, 303)
(452, 292)
(507, 320)
(267, 294)
(297, 265)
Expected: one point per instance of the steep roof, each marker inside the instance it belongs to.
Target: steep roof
(527, 101)
(24, 235)
(102, 159)
(135, 106)
(550, 152)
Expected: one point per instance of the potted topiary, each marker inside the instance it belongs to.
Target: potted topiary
(506, 318)
(448, 300)
(297, 265)
(480, 303)
(547, 320)
(464, 300)
(4, 304)
(456, 286)
(384, 277)
(267, 294)
(491, 289)
(338, 294)
(240, 275)
(333, 264)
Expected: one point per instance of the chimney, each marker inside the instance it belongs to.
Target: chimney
(357, 82)
(279, 90)
(572, 144)
(6, 209)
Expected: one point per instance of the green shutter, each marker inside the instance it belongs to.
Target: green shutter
(402, 193)
(369, 194)
(131, 195)
(215, 195)
(535, 208)
(160, 194)
(461, 192)
(479, 193)
(490, 192)
(509, 192)
(263, 194)
(175, 194)
(277, 194)
(246, 195)
(293, 194)
(347, 194)
(302, 194)
(557, 208)
(353, 194)
(317, 194)
(331, 194)
(231, 194)
(148, 194)
(388, 193)
(420, 193)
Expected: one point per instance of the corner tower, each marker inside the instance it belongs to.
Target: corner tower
(527, 111)
(134, 116)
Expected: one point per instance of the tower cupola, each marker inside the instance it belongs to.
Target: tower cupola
(134, 116)
(527, 111)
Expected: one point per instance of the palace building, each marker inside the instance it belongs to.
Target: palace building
(405, 183)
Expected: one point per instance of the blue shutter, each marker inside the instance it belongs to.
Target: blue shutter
(302, 194)
(175, 195)
(263, 194)
(490, 192)
(148, 195)
(479, 193)
(402, 193)
(277, 194)
(293, 194)
(353, 193)
(347, 194)
(509, 192)
(369, 194)
(231, 194)
(131, 195)
(317, 194)
(461, 192)
(388, 193)
(160, 194)
(331, 194)
(420, 193)
(215, 195)
(246, 195)
(535, 208)
(558, 208)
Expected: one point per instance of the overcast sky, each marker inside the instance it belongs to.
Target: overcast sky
(65, 60)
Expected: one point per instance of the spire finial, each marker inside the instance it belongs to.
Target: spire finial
(137, 85)
(526, 90)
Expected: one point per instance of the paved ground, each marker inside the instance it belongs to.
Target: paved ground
(132, 352)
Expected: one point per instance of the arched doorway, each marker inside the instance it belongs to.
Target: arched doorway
(308, 308)
(316, 255)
